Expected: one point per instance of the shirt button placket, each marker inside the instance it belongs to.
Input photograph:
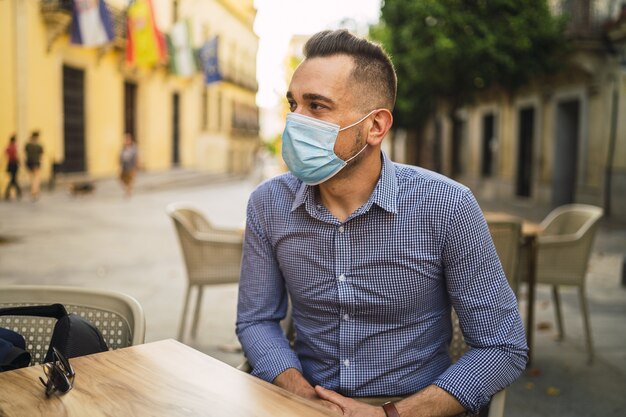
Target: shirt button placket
(346, 300)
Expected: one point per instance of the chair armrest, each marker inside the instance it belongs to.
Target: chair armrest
(496, 407)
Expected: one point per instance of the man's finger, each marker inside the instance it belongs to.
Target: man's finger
(331, 396)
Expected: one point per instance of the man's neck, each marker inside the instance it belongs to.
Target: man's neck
(343, 195)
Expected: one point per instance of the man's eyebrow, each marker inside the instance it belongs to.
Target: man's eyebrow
(312, 97)
(317, 97)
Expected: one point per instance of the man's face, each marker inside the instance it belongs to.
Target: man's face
(322, 88)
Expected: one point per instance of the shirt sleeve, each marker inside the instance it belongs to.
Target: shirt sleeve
(487, 310)
(262, 303)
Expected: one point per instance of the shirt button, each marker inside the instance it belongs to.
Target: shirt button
(346, 317)
(346, 363)
(342, 278)
(341, 229)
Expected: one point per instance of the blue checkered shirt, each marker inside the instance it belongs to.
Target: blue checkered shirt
(371, 296)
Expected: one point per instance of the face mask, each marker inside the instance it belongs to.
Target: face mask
(308, 148)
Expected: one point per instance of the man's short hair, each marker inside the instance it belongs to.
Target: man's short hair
(372, 66)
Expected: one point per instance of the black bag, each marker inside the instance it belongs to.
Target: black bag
(72, 336)
(12, 350)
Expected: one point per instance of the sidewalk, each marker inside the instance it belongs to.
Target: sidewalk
(103, 240)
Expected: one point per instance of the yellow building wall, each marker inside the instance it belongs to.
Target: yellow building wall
(7, 86)
(105, 73)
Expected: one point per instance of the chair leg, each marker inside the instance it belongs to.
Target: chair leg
(183, 318)
(585, 310)
(196, 314)
(557, 312)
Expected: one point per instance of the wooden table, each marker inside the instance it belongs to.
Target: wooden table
(164, 378)
(530, 232)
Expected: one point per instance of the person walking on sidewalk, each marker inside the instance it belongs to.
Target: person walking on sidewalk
(13, 165)
(371, 255)
(34, 151)
(129, 161)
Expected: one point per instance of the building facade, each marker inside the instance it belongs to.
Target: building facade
(558, 140)
(83, 99)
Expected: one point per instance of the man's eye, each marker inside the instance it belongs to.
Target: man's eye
(292, 106)
(316, 106)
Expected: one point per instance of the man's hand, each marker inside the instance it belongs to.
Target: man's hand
(293, 381)
(348, 406)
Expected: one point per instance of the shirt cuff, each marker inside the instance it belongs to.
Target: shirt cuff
(274, 363)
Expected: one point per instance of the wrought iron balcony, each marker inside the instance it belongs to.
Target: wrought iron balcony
(118, 19)
(586, 18)
(57, 15)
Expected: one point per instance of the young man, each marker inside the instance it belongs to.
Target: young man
(373, 255)
(34, 151)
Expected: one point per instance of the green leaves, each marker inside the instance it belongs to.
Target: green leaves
(453, 49)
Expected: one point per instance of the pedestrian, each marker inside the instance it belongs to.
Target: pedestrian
(129, 161)
(371, 255)
(34, 151)
(13, 165)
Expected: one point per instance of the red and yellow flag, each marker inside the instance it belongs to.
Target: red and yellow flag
(145, 45)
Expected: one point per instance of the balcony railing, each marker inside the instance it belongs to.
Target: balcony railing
(586, 18)
(118, 19)
(57, 15)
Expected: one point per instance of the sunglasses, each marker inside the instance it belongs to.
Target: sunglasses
(59, 374)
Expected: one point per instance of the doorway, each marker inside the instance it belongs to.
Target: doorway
(565, 160)
(525, 152)
(73, 120)
(175, 129)
(130, 108)
(488, 145)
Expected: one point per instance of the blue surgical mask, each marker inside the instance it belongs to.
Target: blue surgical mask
(308, 148)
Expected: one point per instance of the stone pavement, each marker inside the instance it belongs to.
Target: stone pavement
(104, 240)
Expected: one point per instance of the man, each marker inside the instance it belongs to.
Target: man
(128, 162)
(34, 151)
(372, 255)
(13, 165)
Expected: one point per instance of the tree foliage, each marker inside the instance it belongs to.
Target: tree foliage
(452, 49)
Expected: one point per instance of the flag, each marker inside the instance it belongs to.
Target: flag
(145, 45)
(182, 61)
(208, 57)
(91, 23)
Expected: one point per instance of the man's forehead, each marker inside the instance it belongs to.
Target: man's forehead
(326, 76)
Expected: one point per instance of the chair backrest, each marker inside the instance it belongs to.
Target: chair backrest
(570, 219)
(119, 317)
(507, 235)
(564, 246)
(457, 347)
(212, 255)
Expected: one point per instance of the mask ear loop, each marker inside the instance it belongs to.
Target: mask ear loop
(357, 154)
(352, 125)
(356, 123)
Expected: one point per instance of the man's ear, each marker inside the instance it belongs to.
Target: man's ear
(383, 119)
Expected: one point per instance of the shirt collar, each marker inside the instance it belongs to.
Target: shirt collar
(385, 194)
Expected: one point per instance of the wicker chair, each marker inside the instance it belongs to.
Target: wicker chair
(507, 238)
(563, 252)
(119, 317)
(212, 255)
(506, 235)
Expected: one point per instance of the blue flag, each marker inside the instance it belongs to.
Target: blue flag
(91, 23)
(210, 64)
